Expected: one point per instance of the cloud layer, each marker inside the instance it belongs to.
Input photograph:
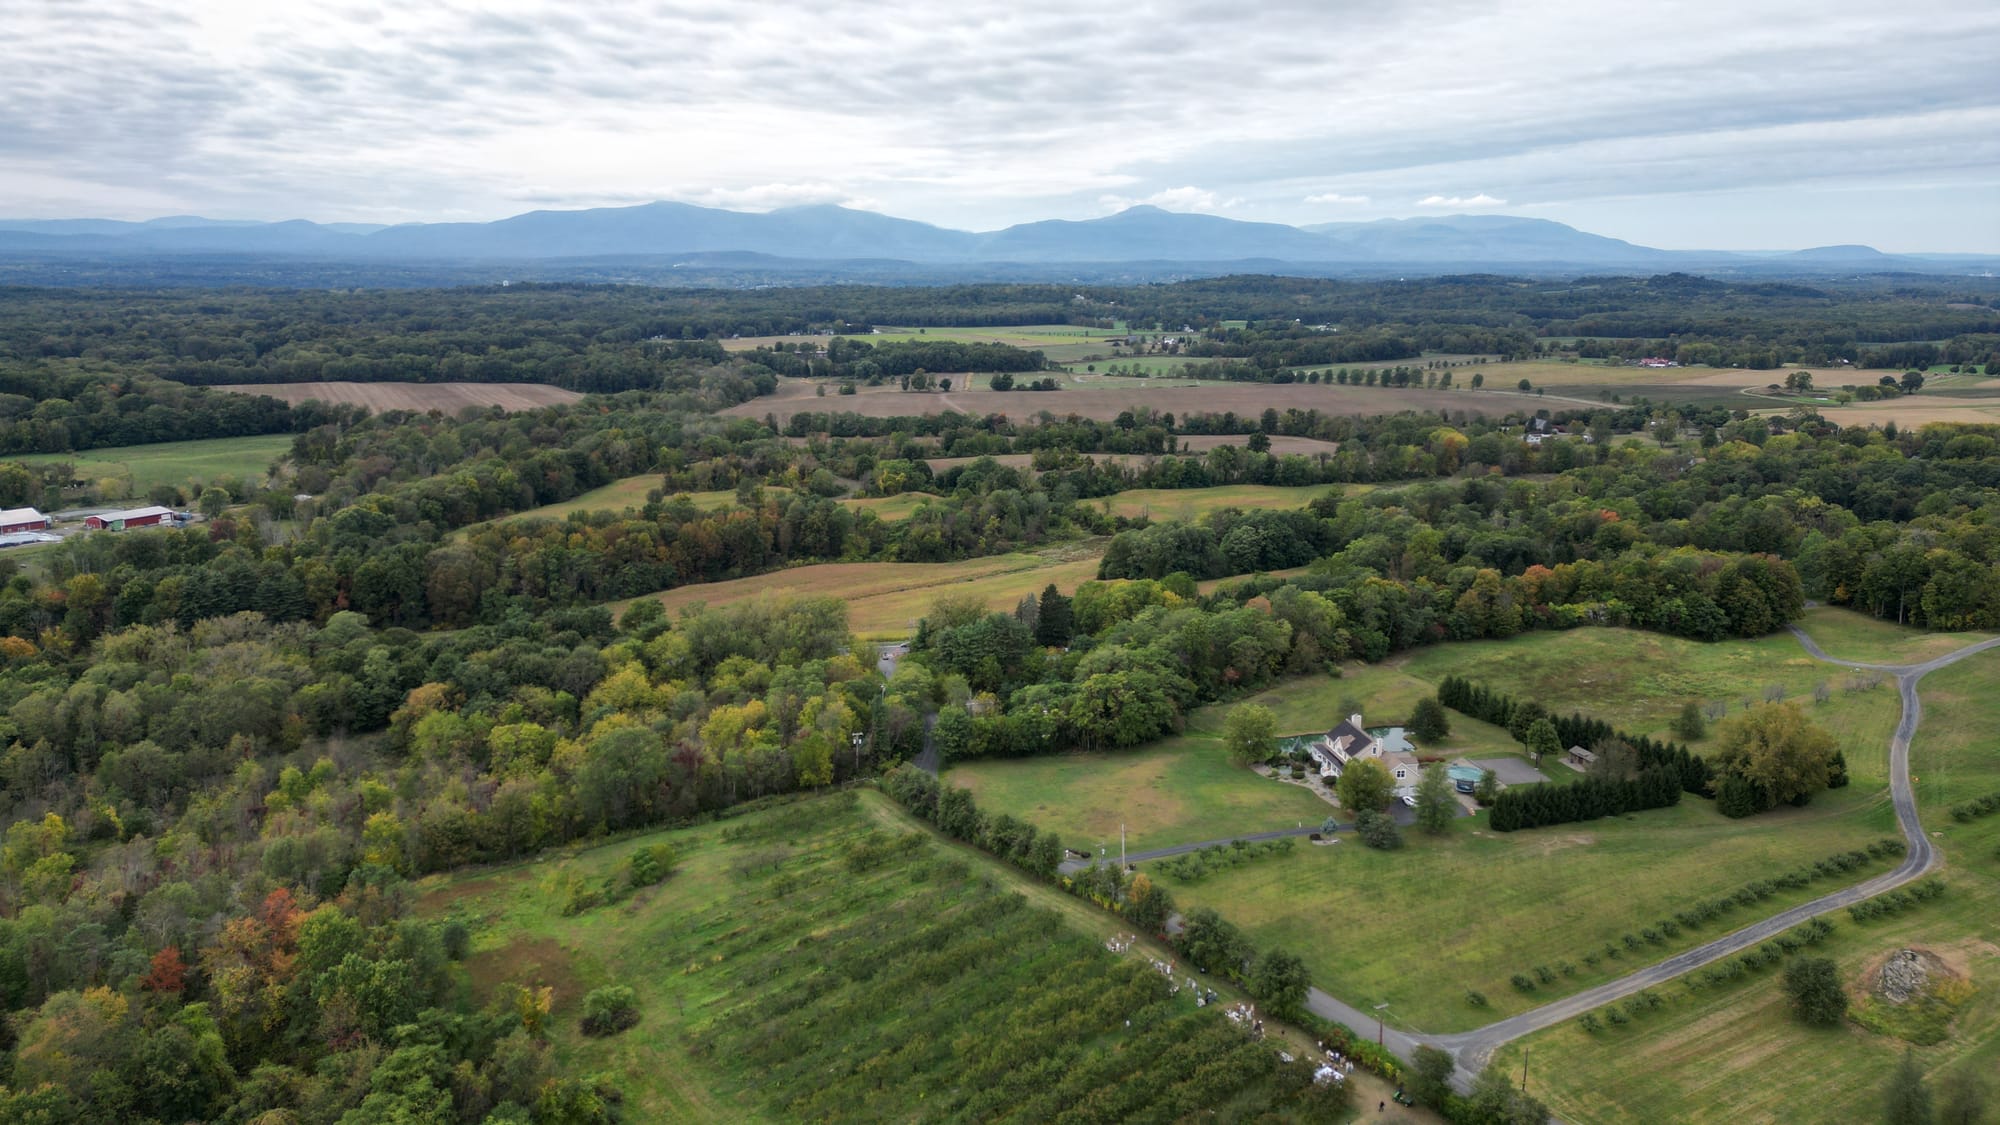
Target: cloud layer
(1009, 111)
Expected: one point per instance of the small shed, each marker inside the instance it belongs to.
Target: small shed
(132, 517)
(1579, 758)
(22, 519)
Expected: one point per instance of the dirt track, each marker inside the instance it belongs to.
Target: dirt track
(448, 397)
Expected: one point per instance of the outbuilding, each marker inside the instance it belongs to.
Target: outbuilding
(132, 517)
(22, 519)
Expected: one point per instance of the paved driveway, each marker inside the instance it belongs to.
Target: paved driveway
(1511, 771)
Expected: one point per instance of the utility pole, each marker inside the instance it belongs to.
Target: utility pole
(1122, 865)
(1378, 1023)
(1524, 1068)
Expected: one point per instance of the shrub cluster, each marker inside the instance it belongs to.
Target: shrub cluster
(1895, 902)
(1193, 867)
(1977, 807)
(1589, 798)
(609, 1010)
(1764, 956)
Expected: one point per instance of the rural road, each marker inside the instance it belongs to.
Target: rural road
(1474, 1048)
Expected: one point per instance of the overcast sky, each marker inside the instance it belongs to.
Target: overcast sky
(1733, 125)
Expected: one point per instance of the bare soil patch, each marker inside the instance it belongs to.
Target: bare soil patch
(529, 962)
(1107, 402)
(447, 397)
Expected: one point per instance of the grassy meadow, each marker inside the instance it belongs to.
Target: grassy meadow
(885, 599)
(131, 471)
(828, 960)
(1847, 635)
(1736, 1054)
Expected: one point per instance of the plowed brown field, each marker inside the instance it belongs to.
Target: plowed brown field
(448, 397)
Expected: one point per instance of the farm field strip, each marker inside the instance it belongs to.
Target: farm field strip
(175, 463)
(885, 599)
(380, 397)
(1105, 402)
(1186, 444)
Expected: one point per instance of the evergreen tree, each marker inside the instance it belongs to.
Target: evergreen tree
(1053, 623)
(1964, 1100)
(1908, 1100)
(1690, 725)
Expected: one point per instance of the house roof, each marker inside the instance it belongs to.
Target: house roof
(135, 513)
(1346, 729)
(1581, 754)
(21, 515)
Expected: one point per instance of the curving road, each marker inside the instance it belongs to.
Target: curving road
(1474, 1048)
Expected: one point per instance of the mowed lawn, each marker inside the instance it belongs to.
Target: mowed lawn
(135, 470)
(1738, 1055)
(1180, 791)
(1420, 927)
(885, 600)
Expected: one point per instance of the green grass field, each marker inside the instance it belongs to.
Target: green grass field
(834, 960)
(1639, 682)
(624, 495)
(1193, 503)
(1157, 503)
(1738, 1055)
(1179, 791)
(885, 600)
(1419, 927)
(131, 471)
(892, 508)
(1848, 635)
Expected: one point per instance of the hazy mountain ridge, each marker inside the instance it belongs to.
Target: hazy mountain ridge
(826, 233)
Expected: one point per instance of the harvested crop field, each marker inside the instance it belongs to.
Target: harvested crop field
(1105, 403)
(381, 397)
(1192, 443)
(885, 600)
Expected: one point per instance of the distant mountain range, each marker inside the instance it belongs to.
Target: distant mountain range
(829, 234)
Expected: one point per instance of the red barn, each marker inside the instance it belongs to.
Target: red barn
(22, 519)
(134, 517)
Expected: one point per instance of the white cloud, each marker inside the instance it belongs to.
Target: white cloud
(1002, 111)
(1174, 199)
(770, 197)
(1480, 200)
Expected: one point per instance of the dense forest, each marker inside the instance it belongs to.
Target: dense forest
(613, 338)
(229, 747)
